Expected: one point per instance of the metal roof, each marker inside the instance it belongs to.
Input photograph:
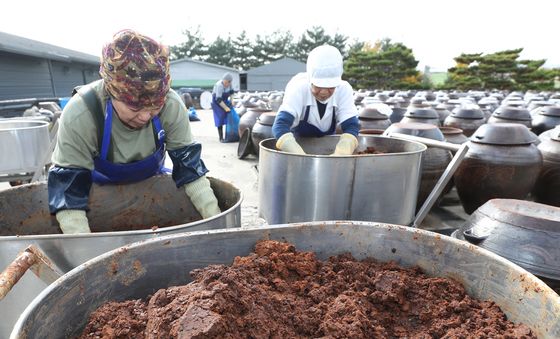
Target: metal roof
(203, 63)
(23, 46)
(279, 67)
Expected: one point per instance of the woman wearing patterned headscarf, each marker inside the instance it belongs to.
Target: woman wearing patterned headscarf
(116, 130)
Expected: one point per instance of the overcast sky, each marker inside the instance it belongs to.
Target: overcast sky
(436, 31)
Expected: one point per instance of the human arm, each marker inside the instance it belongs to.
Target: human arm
(69, 180)
(281, 131)
(188, 168)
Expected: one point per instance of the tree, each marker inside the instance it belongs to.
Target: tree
(315, 37)
(273, 46)
(221, 52)
(386, 65)
(193, 47)
(501, 70)
(243, 52)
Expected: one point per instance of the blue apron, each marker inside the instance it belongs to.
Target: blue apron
(305, 129)
(219, 114)
(107, 172)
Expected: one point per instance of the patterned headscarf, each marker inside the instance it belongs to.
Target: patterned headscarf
(135, 69)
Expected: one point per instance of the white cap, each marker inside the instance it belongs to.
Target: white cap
(324, 66)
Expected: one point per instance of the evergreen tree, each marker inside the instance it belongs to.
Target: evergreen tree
(501, 70)
(314, 37)
(221, 52)
(243, 52)
(193, 47)
(386, 65)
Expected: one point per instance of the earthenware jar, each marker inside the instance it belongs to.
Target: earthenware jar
(547, 187)
(250, 118)
(434, 160)
(371, 117)
(518, 115)
(262, 129)
(421, 113)
(502, 162)
(453, 135)
(467, 119)
(442, 112)
(547, 118)
(524, 232)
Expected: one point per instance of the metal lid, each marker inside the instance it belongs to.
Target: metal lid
(422, 113)
(512, 113)
(503, 134)
(553, 111)
(468, 113)
(416, 129)
(371, 113)
(522, 213)
(267, 119)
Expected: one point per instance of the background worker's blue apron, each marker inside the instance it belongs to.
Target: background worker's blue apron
(219, 114)
(107, 172)
(305, 129)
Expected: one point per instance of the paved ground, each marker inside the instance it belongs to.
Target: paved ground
(221, 159)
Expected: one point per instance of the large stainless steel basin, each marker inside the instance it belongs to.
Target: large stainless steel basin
(138, 270)
(23, 145)
(317, 186)
(120, 214)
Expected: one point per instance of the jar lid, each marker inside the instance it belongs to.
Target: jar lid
(421, 113)
(503, 134)
(468, 113)
(372, 113)
(267, 119)
(553, 111)
(512, 113)
(416, 129)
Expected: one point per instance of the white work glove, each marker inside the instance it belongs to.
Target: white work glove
(224, 106)
(73, 221)
(346, 145)
(202, 197)
(288, 143)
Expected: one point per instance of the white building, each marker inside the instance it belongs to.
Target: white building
(273, 76)
(187, 72)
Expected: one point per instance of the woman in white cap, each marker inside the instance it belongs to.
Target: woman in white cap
(316, 102)
(221, 105)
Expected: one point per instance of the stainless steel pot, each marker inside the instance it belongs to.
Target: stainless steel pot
(119, 215)
(318, 186)
(23, 145)
(140, 269)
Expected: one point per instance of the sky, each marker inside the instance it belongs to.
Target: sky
(436, 31)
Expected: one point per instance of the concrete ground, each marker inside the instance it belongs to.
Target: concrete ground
(222, 162)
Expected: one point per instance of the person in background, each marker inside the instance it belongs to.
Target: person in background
(117, 129)
(221, 105)
(315, 102)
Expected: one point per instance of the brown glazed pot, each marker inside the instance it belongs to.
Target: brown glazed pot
(453, 135)
(262, 129)
(524, 232)
(547, 187)
(467, 119)
(250, 118)
(547, 118)
(502, 162)
(371, 118)
(434, 160)
(517, 115)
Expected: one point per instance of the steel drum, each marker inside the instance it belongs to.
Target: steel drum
(119, 215)
(23, 145)
(318, 186)
(140, 269)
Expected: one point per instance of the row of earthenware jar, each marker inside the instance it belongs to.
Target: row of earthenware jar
(503, 161)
